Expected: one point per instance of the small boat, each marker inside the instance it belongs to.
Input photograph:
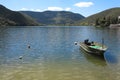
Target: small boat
(93, 47)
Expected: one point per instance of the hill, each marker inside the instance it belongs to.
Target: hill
(14, 18)
(60, 18)
(104, 18)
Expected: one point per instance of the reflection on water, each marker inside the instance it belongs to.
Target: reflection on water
(111, 58)
(53, 56)
(97, 60)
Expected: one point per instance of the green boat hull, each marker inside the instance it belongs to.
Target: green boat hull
(97, 48)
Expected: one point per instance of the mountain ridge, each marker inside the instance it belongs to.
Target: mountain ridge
(108, 14)
(14, 18)
(55, 17)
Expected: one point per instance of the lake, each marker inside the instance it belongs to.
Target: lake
(52, 54)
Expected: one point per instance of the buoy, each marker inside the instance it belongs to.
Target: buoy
(75, 43)
(28, 46)
(20, 57)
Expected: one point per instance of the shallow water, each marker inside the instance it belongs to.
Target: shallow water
(53, 56)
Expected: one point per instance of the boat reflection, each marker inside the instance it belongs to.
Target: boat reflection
(97, 60)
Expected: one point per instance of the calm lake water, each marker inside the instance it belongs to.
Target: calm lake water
(53, 56)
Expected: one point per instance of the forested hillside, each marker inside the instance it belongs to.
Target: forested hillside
(13, 18)
(104, 18)
(60, 18)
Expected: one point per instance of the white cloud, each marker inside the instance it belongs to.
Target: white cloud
(38, 10)
(67, 9)
(58, 9)
(55, 8)
(26, 9)
(49, 8)
(84, 4)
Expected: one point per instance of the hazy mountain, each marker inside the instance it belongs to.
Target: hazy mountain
(13, 18)
(60, 18)
(108, 16)
(55, 17)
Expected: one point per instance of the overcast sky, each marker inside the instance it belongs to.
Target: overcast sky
(84, 7)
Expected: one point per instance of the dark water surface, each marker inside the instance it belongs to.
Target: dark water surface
(53, 56)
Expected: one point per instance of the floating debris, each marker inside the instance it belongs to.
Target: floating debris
(29, 46)
(20, 57)
(75, 43)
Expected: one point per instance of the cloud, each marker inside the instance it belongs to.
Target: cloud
(49, 8)
(67, 9)
(84, 4)
(54, 8)
(26, 9)
(58, 9)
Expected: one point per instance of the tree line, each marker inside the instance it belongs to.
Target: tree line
(106, 21)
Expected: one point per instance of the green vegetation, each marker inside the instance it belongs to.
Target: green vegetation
(104, 18)
(12, 18)
(106, 21)
(60, 18)
(57, 18)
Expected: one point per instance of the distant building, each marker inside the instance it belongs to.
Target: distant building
(115, 25)
(118, 17)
